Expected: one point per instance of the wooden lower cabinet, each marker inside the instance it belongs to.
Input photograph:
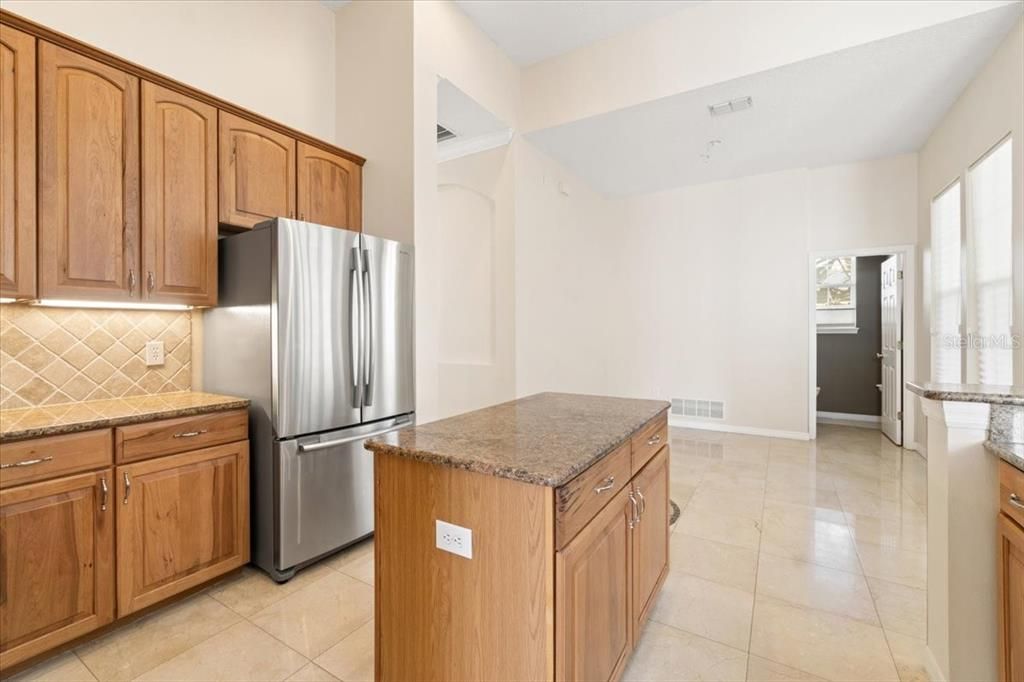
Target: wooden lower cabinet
(594, 584)
(56, 563)
(182, 520)
(1011, 600)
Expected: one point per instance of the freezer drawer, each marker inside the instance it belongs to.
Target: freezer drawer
(325, 490)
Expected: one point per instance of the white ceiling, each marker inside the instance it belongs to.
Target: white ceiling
(874, 100)
(533, 30)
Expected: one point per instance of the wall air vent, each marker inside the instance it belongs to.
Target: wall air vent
(695, 407)
(443, 133)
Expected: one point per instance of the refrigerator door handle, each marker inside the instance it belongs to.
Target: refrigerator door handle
(368, 326)
(313, 447)
(355, 322)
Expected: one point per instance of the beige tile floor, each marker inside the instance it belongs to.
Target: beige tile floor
(791, 561)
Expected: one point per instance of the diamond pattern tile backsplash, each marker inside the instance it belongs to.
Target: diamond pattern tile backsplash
(63, 355)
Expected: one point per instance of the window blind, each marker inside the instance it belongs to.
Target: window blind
(990, 318)
(946, 288)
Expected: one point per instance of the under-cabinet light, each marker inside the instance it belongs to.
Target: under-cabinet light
(61, 303)
(7, 300)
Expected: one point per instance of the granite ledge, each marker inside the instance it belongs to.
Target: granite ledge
(53, 420)
(970, 393)
(1011, 453)
(544, 439)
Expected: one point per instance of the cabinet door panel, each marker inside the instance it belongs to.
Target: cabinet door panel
(88, 178)
(650, 537)
(257, 173)
(593, 616)
(330, 189)
(179, 197)
(17, 164)
(1011, 600)
(56, 563)
(181, 520)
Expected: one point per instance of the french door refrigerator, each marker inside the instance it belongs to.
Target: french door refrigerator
(315, 326)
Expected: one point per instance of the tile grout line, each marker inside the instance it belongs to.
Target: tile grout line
(757, 571)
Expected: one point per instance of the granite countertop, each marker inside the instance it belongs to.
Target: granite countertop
(51, 420)
(544, 439)
(1011, 453)
(970, 393)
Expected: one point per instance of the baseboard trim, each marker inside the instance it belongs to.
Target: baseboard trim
(860, 421)
(685, 423)
(932, 666)
(918, 448)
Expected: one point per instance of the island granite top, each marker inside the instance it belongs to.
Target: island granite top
(544, 439)
(1011, 453)
(52, 420)
(970, 393)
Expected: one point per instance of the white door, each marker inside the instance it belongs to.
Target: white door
(892, 349)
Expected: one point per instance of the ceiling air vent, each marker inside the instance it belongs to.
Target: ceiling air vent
(694, 407)
(443, 133)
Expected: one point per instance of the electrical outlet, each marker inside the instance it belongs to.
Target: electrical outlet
(154, 353)
(454, 539)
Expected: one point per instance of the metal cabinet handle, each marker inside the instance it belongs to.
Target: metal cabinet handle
(634, 518)
(26, 463)
(1016, 501)
(654, 440)
(131, 281)
(606, 485)
(103, 494)
(127, 487)
(190, 434)
(150, 280)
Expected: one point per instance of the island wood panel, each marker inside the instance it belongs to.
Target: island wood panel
(181, 520)
(594, 618)
(441, 616)
(51, 456)
(1011, 600)
(650, 536)
(88, 178)
(56, 563)
(179, 197)
(330, 188)
(257, 172)
(17, 164)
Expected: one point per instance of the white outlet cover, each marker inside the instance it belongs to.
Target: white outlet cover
(454, 539)
(154, 353)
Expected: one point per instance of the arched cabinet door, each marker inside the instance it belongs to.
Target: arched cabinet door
(88, 178)
(179, 198)
(330, 189)
(17, 164)
(257, 173)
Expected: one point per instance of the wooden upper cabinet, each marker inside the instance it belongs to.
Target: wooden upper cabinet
(17, 164)
(88, 178)
(179, 198)
(593, 616)
(650, 536)
(257, 172)
(56, 563)
(181, 520)
(330, 189)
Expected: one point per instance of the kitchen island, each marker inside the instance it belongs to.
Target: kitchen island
(565, 498)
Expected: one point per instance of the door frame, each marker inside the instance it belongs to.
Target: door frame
(910, 286)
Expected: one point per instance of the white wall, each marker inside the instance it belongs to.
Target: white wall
(991, 107)
(273, 58)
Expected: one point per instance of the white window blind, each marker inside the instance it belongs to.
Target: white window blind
(946, 295)
(990, 309)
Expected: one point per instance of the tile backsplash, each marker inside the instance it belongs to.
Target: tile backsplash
(62, 355)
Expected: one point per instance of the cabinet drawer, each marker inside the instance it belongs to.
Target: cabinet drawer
(648, 440)
(1011, 482)
(579, 500)
(41, 458)
(169, 436)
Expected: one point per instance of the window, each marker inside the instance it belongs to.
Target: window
(836, 295)
(945, 331)
(989, 342)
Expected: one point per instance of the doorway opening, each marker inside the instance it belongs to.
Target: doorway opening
(861, 311)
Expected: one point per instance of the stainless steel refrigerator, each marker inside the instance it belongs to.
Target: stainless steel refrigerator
(315, 326)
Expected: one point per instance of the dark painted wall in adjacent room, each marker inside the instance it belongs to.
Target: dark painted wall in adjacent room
(847, 367)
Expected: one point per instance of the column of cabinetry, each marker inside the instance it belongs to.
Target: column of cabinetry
(87, 536)
(1011, 573)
